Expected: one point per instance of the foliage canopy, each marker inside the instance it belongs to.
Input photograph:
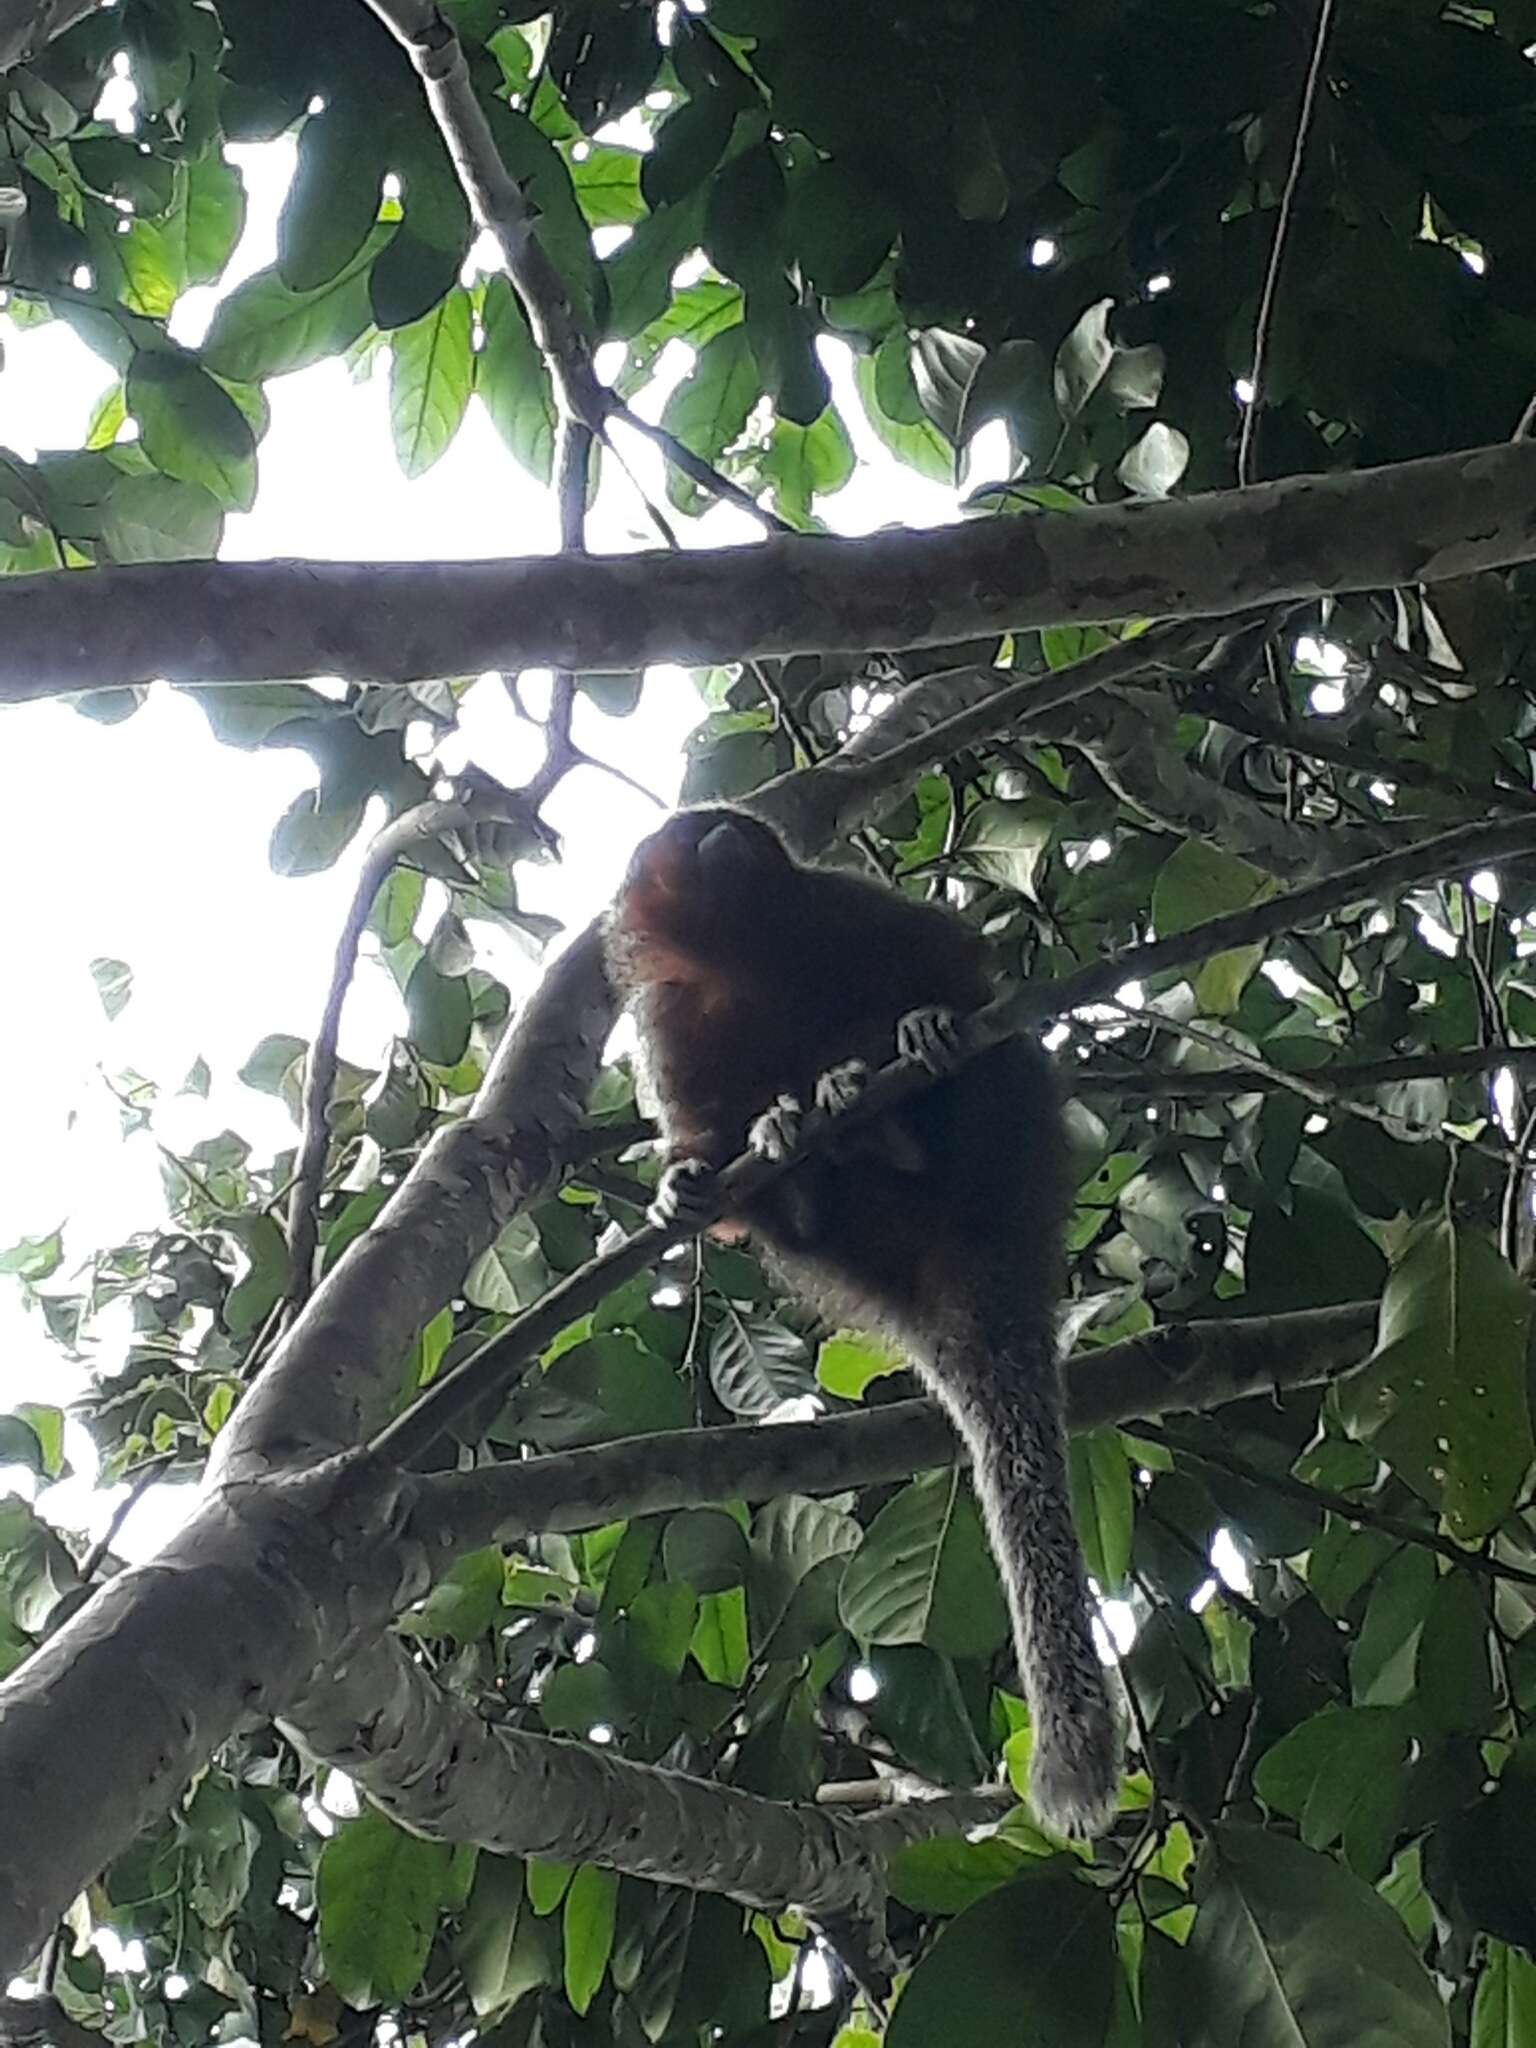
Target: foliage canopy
(1059, 220)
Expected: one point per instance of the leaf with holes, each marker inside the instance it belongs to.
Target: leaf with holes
(1443, 1396)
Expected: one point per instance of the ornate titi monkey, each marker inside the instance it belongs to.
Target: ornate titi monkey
(758, 985)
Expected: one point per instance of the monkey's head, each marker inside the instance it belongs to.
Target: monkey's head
(701, 887)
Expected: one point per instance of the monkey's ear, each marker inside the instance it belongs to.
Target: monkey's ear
(735, 845)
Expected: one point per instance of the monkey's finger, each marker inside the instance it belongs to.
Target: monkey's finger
(840, 1087)
(776, 1133)
(686, 1195)
(931, 1037)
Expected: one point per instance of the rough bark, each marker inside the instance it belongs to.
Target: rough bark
(1208, 556)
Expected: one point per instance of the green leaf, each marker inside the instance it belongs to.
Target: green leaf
(20, 1445)
(213, 217)
(591, 1907)
(464, 1605)
(709, 408)
(441, 1010)
(114, 984)
(1293, 1950)
(1383, 1658)
(755, 1363)
(263, 328)
(332, 202)
(251, 1300)
(1341, 1776)
(503, 1947)
(190, 428)
(431, 377)
(547, 1883)
(1197, 883)
(579, 1698)
(157, 519)
(378, 1892)
(1103, 1504)
(513, 1273)
(947, 1875)
(275, 1065)
(1504, 2010)
(1443, 1396)
(46, 1424)
(840, 228)
(607, 185)
(511, 377)
(721, 1647)
(1032, 1964)
(924, 1574)
(1455, 1658)
(606, 1387)
(1006, 840)
(847, 1363)
(705, 1548)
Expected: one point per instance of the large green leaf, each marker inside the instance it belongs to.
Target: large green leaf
(1443, 1396)
(432, 370)
(1032, 1964)
(378, 1891)
(1291, 1951)
(924, 1574)
(1341, 1775)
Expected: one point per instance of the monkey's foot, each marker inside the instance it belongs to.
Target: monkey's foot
(931, 1037)
(840, 1087)
(776, 1133)
(686, 1196)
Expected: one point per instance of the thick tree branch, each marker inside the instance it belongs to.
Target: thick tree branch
(1209, 556)
(337, 1371)
(435, 1763)
(1176, 1368)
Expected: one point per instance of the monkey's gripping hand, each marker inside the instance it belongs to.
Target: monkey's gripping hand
(931, 1037)
(687, 1195)
(778, 1131)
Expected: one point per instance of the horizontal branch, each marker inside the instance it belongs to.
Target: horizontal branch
(1339, 1077)
(1180, 1367)
(433, 1761)
(1209, 556)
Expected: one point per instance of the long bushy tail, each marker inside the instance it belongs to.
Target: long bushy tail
(1005, 1399)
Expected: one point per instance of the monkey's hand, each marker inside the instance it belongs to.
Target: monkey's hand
(685, 1196)
(931, 1037)
(776, 1133)
(840, 1087)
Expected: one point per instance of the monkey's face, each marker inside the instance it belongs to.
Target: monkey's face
(705, 880)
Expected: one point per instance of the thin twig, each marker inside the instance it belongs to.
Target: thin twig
(1198, 1083)
(1359, 1513)
(1247, 439)
(480, 802)
(148, 1473)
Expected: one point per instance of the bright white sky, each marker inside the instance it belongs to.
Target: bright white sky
(147, 841)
